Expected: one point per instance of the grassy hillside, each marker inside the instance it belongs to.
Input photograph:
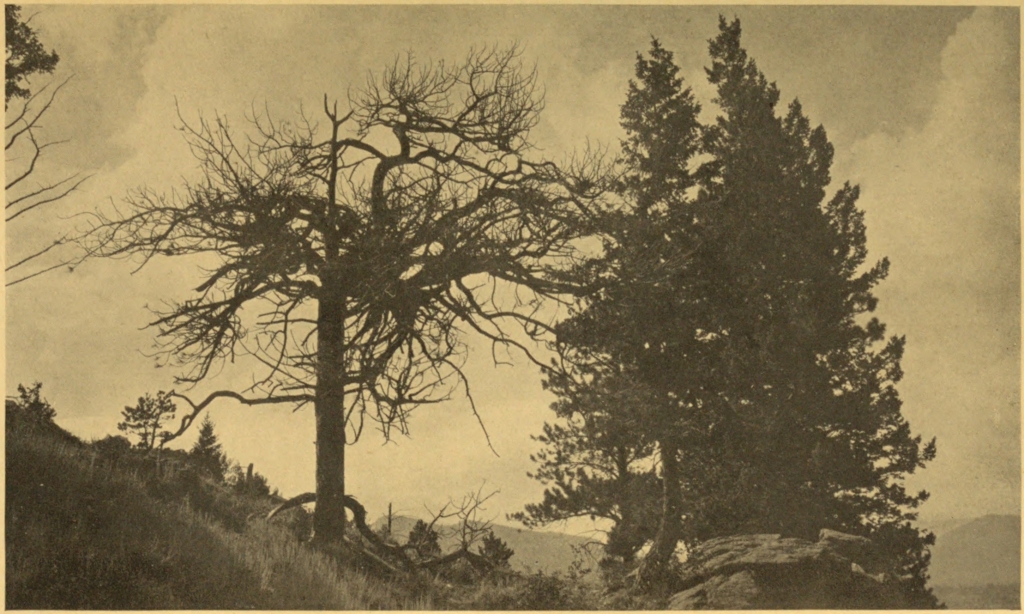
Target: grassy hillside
(83, 533)
(90, 530)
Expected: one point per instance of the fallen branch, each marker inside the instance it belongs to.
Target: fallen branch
(478, 562)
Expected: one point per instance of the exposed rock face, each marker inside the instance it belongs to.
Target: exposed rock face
(772, 572)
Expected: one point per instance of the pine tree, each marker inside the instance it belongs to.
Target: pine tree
(425, 540)
(734, 292)
(26, 56)
(146, 419)
(208, 452)
(815, 430)
(495, 550)
(597, 463)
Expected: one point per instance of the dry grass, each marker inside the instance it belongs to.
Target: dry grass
(82, 535)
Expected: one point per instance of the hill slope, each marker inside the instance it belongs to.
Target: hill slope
(105, 526)
(976, 564)
(82, 533)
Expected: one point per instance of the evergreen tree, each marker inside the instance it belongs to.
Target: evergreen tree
(734, 291)
(816, 434)
(425, 540)
(208, 452)
(25, 55)
(638, 320)
(146, 419)
(597, 464)
(495, 550)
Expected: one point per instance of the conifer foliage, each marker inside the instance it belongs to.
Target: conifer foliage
(146, 418)
(495, 550)
(208, 451)
(597, 464)
(425, 540)
(26, 56)
(733, 294)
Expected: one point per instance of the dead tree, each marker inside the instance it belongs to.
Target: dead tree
(25, 106)
(366, 246)
(24, 193)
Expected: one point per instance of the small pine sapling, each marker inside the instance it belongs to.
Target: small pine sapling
(146, 418)
(425, 540)
(495, 550)
(208, 452)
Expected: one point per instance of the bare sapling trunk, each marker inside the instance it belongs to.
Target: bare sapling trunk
(657, 565)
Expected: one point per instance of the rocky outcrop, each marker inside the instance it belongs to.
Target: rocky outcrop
(773, 572)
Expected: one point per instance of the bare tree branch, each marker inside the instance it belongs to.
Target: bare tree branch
(21, 143)
(197, 408)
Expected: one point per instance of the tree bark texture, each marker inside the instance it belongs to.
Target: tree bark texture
(329, 517)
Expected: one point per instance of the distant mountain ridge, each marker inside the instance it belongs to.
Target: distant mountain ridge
(982, 551)
(534, 550)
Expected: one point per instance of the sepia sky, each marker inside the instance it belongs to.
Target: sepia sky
(922, 105)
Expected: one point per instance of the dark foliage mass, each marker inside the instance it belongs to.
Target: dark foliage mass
(597, 463)
(727, 339)
(208, 452)
(30, 407)
(25, 57)
(424, 540)
(495, 550)
(31, 412)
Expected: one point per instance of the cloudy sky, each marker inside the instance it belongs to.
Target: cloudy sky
(922, 105)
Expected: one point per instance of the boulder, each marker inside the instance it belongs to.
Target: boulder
(769, 572)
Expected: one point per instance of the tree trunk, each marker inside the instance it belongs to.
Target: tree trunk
(329, 517)
(655, 569)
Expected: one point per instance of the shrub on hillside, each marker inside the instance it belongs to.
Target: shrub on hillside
(537, 591)
(496, 551)
(249, 482)
(30, 411)
(425, 540)
(113, 447)
(30, 407)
